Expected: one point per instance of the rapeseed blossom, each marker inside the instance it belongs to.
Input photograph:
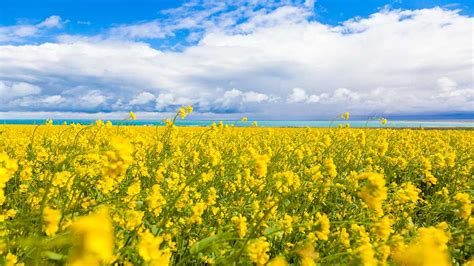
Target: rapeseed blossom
(258, 251)
(464, 205)
(51, 219)
(241, 225)
(150, 250)
(132, 116)
(94, 239)
(373, 191)
(429, 248)
(345, 116)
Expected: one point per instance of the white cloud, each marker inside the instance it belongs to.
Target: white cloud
(92, 99)
(198, 16)
(345, 94)
(279, 17)
(142, 98)
(54, 99)
(230, 97)
(446, 84)
(10, 90)
(146, 30)
(238, 100)
(309, 3)
(255, 97)
(316, 98)
(51, 22)
(450, 91)
(298, 95)
(168, 99)
(18, 33)
(395, 61)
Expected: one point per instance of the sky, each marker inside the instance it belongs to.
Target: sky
(298, 60)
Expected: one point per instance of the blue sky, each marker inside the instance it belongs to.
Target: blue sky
(264, 59)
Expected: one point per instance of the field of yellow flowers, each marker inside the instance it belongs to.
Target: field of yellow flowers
(130, 195)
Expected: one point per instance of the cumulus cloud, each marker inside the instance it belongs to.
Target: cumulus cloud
(142, 98)
(255, 97)
(54, 99)
(449, 91)
(20, 32)
(165, 100)
(9, 90)
(241, 101)
(394, 61)
(92, 99)
(298, 95)
(51, 22)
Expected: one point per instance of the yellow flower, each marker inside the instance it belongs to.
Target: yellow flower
(373, 191)
(258, 250)
(189, 109)
(51, 219)
(261, 165)
(7, 168)
(197, 211)
(464, 205)
(133, 219)
(169, 123)
(408, 193)
(345, 240)
(287, 223)
(278, 261)
(11, 259)
(116, 164)
(308, 256)
(384, 228)
(330, 167)
(156, 200)
(244, 119)
(429, 248)
(383, 121)
(367, 254)
(150, 250)
(134, 189)
(182, 113)
(430, 179)
(322, 223)
(132, 116)
(345, 116)
(240, 223)
(61, 179)
(99, 123)
(94, 239)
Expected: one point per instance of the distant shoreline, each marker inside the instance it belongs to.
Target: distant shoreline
(394, 124)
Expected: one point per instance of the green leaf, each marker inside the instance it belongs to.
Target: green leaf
(203, 244)
(54, 256)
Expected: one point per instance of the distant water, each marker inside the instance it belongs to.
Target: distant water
(264, 123)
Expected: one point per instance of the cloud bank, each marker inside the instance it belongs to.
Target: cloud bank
(275, 63)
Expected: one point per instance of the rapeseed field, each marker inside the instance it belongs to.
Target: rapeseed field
(133, 195)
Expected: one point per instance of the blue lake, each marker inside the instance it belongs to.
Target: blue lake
(265, 123)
